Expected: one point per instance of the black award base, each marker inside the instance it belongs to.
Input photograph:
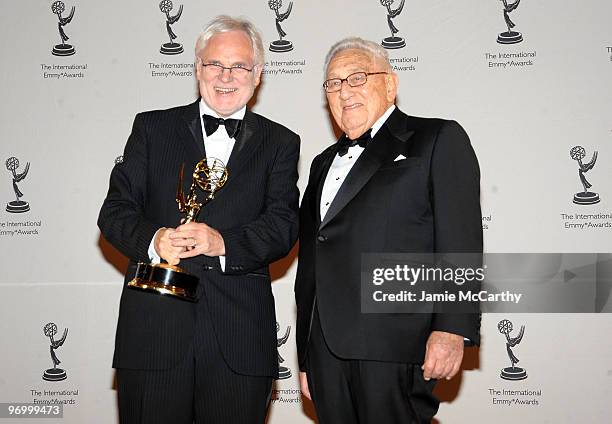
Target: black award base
(393, 43)
(281, 46)
(284, 373)
(509, 37)
(17, 206)
(582, 198)
(54, 374)
(513, 373)
(165, 279)
(63, 50)
(171, 48)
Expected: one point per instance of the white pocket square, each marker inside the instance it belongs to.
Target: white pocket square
(400, 157)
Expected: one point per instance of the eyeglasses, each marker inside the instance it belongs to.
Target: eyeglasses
(215, 69)
(353, 80)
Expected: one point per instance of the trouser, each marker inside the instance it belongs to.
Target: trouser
(365, 392)
(201, 389)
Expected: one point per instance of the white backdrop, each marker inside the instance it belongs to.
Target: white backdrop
(69, 118)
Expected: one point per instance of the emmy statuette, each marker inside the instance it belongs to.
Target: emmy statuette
(393, 42)
(584, 197)
(64, 49)
(209, 176)
(280, 45)
(171, 48)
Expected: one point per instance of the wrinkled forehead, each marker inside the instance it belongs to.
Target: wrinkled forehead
(347, 61)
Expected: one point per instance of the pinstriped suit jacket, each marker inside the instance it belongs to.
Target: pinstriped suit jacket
(256, 212)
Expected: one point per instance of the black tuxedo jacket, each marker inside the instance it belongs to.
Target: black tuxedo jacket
(256, 212)
(428, 202)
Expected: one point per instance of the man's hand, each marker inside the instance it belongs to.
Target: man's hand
(443, 355)
(164, 248)
(198, 239)
(304, 385)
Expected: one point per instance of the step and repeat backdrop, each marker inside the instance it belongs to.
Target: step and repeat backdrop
(529, 81)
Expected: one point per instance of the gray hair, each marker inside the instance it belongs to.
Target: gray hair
(225, 23)
(374, 50)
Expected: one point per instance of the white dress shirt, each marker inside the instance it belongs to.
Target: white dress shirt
(342, 165)
(218, 145)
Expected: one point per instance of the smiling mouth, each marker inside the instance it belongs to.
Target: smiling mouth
(222, 90)
(351, 107)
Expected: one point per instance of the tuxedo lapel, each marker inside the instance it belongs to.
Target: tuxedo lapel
(383, 148)
(248, 140)
(190, 131)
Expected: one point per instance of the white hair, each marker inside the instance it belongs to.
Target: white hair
(225, 23)
(374, 50)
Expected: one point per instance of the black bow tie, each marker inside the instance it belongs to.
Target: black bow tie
(345, 143)
(211, 124)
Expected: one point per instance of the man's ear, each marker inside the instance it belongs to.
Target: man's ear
(392, 82)
(257, 69)
(198, 67)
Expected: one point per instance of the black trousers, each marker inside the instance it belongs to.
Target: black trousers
(366, 392)
(201, 389)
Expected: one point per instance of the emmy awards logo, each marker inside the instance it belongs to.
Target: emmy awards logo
(209, 175)
(55, 373)
(283, 372)
(511, 373)
(585, 197)
(393, 42)
(509, 37)
(280, 45)
(17, 205)
(58, 7)
(170, 48)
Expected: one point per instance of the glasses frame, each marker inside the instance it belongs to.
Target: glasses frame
(222, 68)
(326, 82)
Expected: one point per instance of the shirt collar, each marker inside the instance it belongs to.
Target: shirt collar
(205, 109)
(380, 121)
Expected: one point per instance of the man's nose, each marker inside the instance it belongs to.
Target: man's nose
(226, 76)
(345, 90)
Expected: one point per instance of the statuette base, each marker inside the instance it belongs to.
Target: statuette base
(171, 48)
(509, 37)
(588, 198)
(393, 43)
(63, 50)
(281, 46)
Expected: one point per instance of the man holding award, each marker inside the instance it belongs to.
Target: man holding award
(392, 184)
(205, 350)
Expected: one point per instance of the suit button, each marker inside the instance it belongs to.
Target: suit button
(207, 267)
(321, 238)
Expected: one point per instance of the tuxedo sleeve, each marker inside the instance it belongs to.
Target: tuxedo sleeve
(455, 193)
(273, 233)
(122, 218)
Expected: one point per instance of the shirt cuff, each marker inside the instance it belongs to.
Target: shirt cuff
(222, 262)
(153, 256)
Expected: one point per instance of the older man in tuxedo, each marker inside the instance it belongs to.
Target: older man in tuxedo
(392, 183)
(212, 361)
